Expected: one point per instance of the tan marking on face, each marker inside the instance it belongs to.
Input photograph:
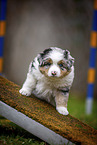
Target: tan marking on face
(48, 61)
(63, 72)
(61, 62)
(44, 69)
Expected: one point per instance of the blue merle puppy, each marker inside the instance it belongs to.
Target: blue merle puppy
(50, 77)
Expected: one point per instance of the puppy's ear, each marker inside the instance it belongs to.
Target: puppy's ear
(42, 55)
(40, 60)
(66, 54)
(72, 60)
(69, 58)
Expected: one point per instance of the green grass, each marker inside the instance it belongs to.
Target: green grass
(76, 107)
(11, 134)
(11, 140)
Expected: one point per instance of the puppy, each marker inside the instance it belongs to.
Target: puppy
(50, 77)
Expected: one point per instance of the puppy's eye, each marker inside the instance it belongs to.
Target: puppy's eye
(47, 63)
(60, 65)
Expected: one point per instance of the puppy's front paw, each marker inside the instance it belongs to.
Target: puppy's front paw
(25, 92)
(62, 110)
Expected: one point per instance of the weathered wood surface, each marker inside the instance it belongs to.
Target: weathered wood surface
(44, 113)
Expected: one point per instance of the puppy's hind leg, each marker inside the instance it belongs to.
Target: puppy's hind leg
(28, 85)
(61, 100)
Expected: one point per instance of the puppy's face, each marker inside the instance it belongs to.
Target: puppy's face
(55, 62)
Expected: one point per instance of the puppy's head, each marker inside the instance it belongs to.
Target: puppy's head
(55, 62)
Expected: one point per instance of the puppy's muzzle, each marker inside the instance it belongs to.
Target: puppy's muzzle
(54, 73)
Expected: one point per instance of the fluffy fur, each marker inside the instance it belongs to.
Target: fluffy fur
(50, 77)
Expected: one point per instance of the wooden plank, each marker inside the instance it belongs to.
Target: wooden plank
(32, 126)
(44, 113)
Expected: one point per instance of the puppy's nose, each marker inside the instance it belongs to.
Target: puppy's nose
(54, 73)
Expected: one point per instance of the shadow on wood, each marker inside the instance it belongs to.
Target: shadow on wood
(45, 114)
